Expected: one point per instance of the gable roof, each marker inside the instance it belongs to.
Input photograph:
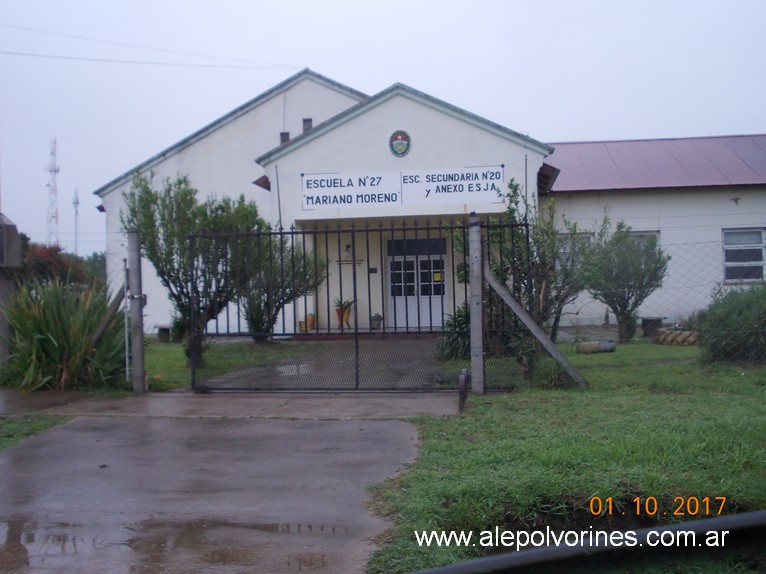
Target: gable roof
(386, 95)
(229, 117)
(660, 163)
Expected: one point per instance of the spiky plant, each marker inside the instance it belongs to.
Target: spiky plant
(51, 341)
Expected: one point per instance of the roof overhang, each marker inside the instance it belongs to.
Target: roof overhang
(546, 177)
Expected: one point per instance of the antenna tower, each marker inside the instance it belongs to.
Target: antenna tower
(53, 199)
(76, 203)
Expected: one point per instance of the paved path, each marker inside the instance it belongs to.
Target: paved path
(189, 483)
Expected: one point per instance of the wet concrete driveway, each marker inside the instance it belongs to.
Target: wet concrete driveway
(131, 489)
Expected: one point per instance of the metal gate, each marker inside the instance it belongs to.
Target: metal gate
(369, 308)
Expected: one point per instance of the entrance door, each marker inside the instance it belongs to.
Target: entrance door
(416, 279)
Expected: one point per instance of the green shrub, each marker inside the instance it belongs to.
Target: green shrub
(455, 342)
(504, 336)
(549, 374)
(51, 328)
(734, 327)
(692, 321)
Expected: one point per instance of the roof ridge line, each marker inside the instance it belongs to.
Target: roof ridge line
(632, 140)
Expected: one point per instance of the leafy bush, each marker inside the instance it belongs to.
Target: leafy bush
(455, 342)
(550, 375)
(734, 327)
(504, 336)
(623, 271)
(47, 262)
(692, 321)
(277, 272)
(52, 325)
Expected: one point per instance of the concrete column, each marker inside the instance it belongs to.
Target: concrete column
(476, 304)
(7, 290)
(136, 299)
(10, 263)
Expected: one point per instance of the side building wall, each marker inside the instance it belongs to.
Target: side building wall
(690, 225)
(220, 163)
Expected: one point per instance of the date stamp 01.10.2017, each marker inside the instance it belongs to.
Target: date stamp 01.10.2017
(694, 506)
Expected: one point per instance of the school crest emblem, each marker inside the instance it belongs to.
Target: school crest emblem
(399, 143)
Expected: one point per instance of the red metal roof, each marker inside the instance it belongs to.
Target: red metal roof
(661, 163)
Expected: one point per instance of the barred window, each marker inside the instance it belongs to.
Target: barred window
(743, 255)
(644, 235)
(565, 244)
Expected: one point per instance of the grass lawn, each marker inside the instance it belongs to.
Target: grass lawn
(166, 362)
(13, 430)
(166, 368)
(655, 423)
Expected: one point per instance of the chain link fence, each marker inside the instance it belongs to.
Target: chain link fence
(386, 308)
(711, 296)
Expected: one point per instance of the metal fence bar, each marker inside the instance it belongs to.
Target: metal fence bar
(354, 283)
(421, 282)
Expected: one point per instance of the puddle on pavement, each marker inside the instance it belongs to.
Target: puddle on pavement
(154, 545)
(307, 561)
(196, 527)
(21, 542)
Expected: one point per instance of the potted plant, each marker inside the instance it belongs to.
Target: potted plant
(343, 311)
(309, 324)
(376, 321)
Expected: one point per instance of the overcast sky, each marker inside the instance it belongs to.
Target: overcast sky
(556, 70)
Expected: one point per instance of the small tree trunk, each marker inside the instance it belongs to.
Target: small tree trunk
(194, 352)
(194, 346)
(622, 329)
(626, 326)
(555, 327)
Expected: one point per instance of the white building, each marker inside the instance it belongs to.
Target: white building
(401, 156)
(704, 199)
(219, 160)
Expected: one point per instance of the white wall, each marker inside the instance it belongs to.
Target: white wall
(222, 164)
(440, 143)
(690, 223)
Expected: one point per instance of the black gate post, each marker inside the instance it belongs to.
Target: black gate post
(356, 307)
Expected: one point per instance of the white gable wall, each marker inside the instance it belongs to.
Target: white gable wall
(440, 144)
(351, 160)
(220, 162)
(690, 223)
